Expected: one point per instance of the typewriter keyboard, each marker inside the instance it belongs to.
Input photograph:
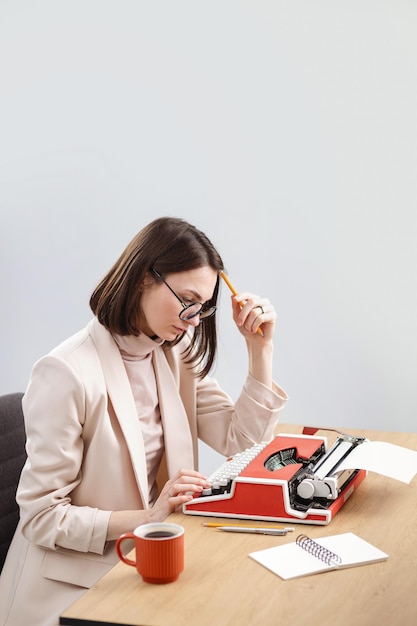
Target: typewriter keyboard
(221, 480)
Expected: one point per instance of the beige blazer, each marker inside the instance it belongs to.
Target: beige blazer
(86, 458)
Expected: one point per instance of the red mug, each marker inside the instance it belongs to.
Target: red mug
(159, 551)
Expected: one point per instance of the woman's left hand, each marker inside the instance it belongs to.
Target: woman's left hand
(254, 316)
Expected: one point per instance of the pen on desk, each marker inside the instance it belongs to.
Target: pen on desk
(223, 525)
(234, 292)
(256, 531)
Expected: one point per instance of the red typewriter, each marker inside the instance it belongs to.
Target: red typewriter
(292, 479)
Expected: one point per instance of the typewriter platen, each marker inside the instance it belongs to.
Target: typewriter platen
(293, 478)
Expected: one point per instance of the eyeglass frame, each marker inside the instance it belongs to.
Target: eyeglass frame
(203, 314)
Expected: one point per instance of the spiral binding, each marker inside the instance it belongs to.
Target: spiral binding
(320, 552)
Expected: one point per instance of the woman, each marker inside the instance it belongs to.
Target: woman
(113, 416)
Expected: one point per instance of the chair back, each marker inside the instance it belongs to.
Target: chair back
(12, 459)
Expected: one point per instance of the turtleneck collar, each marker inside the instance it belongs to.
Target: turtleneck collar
(134, 348)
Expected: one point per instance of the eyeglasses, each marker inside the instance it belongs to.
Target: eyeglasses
(189, 310)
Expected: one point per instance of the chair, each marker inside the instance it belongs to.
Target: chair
(12, 459)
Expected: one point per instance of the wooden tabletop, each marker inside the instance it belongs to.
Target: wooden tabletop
(222, 586)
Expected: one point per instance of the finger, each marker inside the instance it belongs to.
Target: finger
(247, 302)
(255, 314)
(184, 484)
(192, 476)
(176, 491)
(186, 481)
(184, 472)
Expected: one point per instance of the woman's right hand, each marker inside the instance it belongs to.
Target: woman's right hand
(182, 488)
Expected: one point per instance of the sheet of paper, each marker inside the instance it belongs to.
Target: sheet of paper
(384, 458)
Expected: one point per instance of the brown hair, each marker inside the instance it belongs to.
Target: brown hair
(167, 245)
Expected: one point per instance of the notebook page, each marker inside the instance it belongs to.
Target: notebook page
(291, 560)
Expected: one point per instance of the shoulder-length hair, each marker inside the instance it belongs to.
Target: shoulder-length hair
(167, 245)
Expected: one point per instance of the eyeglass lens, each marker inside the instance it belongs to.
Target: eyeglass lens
(192, 310)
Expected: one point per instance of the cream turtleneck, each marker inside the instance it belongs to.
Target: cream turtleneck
(136, 353)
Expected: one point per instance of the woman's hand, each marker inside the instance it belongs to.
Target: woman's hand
(250, 313)
(180, 489)
(177, 491)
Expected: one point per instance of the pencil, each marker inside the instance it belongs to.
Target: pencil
(228, 283)
(234, 292)
(258, 530)
(223, 525)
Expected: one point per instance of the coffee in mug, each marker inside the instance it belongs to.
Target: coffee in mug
(159, 551)
(157, 534)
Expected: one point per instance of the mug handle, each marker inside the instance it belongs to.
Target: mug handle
(120, 554)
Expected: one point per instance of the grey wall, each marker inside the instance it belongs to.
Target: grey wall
(286, 130)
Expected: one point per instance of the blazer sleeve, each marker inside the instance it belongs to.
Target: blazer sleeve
(230, 427)
(55, 447)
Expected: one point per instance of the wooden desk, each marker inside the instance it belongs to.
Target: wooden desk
(222, 586)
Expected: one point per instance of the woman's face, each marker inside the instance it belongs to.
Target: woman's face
(160, 308)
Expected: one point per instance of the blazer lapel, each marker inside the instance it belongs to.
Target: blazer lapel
(177, 434)
(123, 403)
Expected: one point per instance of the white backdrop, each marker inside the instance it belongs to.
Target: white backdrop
(287, 131)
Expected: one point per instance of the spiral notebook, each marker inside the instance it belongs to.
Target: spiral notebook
(306, 556)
